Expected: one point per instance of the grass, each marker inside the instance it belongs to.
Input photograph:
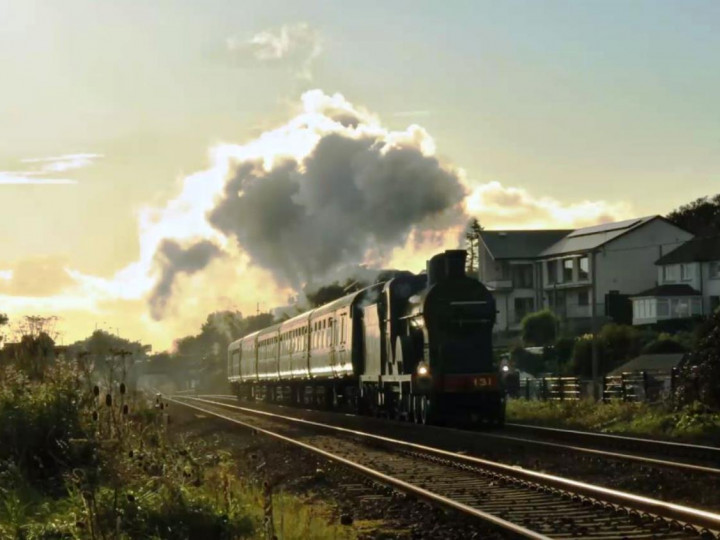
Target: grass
(691, 423)
(84, 462)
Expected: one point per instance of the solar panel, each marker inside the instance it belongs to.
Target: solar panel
(605, 227)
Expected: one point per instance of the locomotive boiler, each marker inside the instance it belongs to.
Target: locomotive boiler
(417, 347)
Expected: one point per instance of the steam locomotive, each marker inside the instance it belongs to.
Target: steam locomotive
(416, 347)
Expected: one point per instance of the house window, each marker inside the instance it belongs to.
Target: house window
(680, 307)
(663, 309)
(715, 269)
(583, 268)
(504, 270)
(714, 303)
(670, 272)
(696, 306)
(651, 305)
(584, 298)
(523, 276)
(552, 271)
(687, 272)
(640, 309)
(523, 306)
(567, 270)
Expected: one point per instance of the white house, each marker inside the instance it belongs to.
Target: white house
(688, 284)
(508, 266)
(572, 271)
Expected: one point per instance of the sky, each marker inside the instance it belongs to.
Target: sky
(154, 155)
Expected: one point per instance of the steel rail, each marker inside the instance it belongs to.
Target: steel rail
(382, 477)
(666, 510)
(615, 455)
(680, 465)
(620, 438)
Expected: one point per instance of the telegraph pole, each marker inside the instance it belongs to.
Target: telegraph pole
(593, 313)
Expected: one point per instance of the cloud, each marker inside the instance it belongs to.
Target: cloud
(173, 259)
(63, 163)
(416, 113)
(41, 167)
(303, 220)
(293, 45)
(35, 277)
(498, 206)
(303, 203)
(11, 178)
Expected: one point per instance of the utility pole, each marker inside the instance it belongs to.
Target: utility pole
(593, 314)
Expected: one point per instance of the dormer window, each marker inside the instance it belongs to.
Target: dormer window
(687, 272)
(583, 268)
(671, 272)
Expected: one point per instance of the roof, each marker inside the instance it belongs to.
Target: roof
(670, 289)
(589, 238)
(650, 362)
(520, 244)
(700, 249)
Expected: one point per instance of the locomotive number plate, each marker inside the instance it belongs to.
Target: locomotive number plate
(484, 381)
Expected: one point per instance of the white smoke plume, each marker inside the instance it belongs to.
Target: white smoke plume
(306, 203)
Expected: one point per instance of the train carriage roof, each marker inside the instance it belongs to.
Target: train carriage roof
(295, 322)
(346, 300)
(269, 330)
(250, 337)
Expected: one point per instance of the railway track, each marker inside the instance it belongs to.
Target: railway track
(706, 458)
(523, 503)
(681, 457)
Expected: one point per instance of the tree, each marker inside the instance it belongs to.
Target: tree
(108, 357)
(700, 217)
(616, 343)
(35, 337)
(472, 238)
(700, 373)
(3, 322)
(539, 329)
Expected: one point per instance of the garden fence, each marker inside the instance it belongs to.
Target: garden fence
(635, 386)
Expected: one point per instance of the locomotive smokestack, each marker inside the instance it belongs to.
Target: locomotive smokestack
(448, 265)
(436, 269)
(455, 263)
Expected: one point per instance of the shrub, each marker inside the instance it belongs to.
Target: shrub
(540, 328)
(700, 373)
(616, 343)
(527, 361)
(42, 426)
(664, 344)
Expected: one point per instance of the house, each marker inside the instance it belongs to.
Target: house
(507, 265)
(572, 272)
(688, 284)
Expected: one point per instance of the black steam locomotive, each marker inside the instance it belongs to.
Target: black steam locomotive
(417, 347)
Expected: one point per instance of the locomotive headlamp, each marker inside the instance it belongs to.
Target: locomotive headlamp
(423, 369)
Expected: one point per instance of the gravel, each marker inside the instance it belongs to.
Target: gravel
(354, 499)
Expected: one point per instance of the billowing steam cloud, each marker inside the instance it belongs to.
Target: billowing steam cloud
(173, 259)
(304, 219)
(305, 203)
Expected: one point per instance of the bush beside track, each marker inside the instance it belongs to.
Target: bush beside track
(78, 461)
(689, 424)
